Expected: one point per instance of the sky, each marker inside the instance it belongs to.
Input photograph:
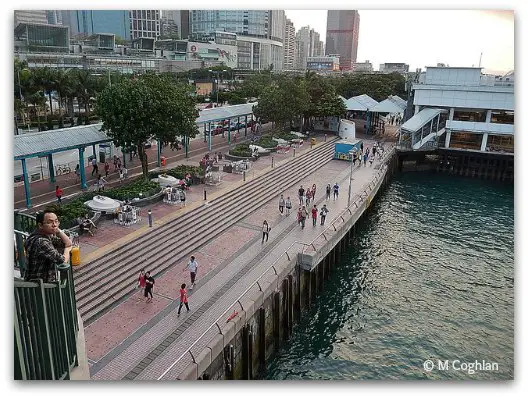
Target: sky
(426, 37)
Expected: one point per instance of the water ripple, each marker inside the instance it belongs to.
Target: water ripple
(429, 276)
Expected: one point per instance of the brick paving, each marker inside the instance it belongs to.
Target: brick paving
(224, 257)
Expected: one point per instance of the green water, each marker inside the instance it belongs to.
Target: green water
(429, 276)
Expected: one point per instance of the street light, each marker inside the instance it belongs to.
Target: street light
(217, 80)
(351, 153)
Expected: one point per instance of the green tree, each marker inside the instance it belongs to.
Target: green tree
(283, 101)
(151, 106)
(323, 98)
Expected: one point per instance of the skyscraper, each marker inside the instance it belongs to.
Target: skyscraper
(30, 16)
(342, 32)
(145, 23)
(90, 22)
(307, 44)
(289, 45)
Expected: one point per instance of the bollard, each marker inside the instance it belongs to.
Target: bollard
(325, 137)
(293, 152)
(244, 174)
(150, 218)
(205, 194)
(272, 162)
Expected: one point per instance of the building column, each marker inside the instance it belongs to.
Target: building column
(448, 138)
(484, 142)
(26, 183)
(416, 109)
(50, 168)
(245, 128)
(81, 168)
(438, 122)
(451, 113)
(488, 116)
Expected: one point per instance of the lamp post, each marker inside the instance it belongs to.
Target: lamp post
(217, 80)
(351, 153)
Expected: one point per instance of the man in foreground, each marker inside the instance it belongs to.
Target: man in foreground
(46, 247)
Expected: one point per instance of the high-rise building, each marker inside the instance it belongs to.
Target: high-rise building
(170, 23)
(307, 44)
(260, 34)
(145, 23)
(89, 22)
(342, 32)
(289, 45)
(54, 17)
(31, 16)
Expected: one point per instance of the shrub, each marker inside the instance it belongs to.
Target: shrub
(267, 142)
(178, 172)
(241, 150)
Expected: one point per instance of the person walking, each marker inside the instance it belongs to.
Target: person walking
(365, 157)
(361, 146)
(281, 204)
(308, 197)
(107, 168)
(94, 165)
(100, 183)
(288, 204)
(141, 279)
(183, 298)
(302, 215)
(192, 266)
(265, 230)
(323, 213)
(58, 194)
(336, 191)
(301, 195)
(149, 285)
(328, 190)
(77, 173)
(115, 162)
(314, 215)
(313, 192)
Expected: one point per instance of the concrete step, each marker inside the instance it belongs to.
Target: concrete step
(95, 296)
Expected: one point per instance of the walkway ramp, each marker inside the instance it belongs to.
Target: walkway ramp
(414, 128)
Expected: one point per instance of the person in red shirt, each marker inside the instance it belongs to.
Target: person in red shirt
(58, 193)
(107, 168)
(183, 298)
(314, 215)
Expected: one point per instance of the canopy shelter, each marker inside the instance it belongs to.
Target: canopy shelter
(354, 105)
(46, 143)
(367, 104)
(398, 101)
(387, 106)
(219, 114)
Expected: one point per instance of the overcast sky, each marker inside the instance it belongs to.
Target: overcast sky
(425, 37)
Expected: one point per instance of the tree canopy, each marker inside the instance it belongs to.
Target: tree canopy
(148, 107)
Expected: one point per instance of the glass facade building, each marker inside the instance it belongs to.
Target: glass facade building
(90, 22)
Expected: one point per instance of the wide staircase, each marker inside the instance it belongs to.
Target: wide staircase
(103, 282)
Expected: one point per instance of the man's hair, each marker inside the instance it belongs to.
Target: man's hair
(40, 215)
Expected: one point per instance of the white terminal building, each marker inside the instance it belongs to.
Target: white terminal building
(461, 109)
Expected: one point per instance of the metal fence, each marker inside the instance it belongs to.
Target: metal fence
(45, 328)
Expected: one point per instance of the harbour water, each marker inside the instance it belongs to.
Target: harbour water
(430, 276)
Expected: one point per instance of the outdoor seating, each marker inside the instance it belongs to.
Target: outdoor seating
(128, 215)
(240, 166)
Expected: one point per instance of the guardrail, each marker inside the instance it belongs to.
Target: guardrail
(369, 186)
(45, 328)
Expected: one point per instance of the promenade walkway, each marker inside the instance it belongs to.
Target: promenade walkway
(43, 191)
(136, 340)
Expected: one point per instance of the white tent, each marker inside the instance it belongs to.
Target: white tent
(386, 106)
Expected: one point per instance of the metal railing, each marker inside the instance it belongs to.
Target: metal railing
(24, 224)
(45, 328)
(359, 197)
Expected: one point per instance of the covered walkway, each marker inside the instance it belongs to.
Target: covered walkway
(429, 121)
(46, 143)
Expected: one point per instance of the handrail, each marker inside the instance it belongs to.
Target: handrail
(237, 300)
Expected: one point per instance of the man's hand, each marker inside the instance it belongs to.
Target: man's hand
(66, 253)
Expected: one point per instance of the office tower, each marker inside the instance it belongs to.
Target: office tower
(89, 22)
(342, 31)
(31, 16)
(289, 45)
(145, 23)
